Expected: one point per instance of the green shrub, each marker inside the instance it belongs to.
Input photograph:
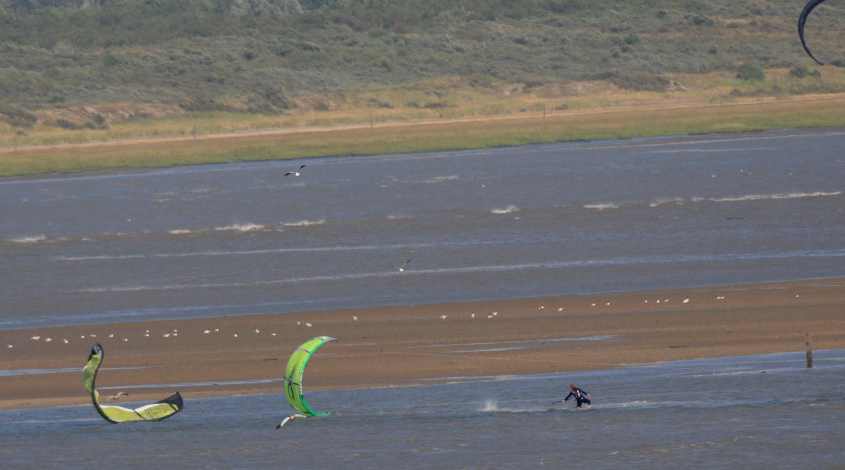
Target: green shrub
(800, 71)
(751, 73)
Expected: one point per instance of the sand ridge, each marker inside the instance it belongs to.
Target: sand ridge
(402, 346)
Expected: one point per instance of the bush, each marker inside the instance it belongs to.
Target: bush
(17, 117)
(632, 39)
(800, 71)
(636, 81)
(751, 72)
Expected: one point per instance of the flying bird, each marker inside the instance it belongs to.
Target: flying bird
(405, 265)
(295, 173)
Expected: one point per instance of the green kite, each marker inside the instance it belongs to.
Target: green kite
(118, 414)
(293, 379)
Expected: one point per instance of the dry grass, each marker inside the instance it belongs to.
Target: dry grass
(497, 115)
(821, 111)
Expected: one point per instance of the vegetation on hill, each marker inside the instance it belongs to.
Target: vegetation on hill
(258, 55)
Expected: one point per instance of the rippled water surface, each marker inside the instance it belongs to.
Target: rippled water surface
(503, 223)
(754, 412)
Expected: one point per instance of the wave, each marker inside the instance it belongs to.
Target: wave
(442, 179)
(602, 206)
(506, 210)
(769, 197)
(304, 223)
(679, 201)
(180, 231)
(549, 265)
(241, 228)
(29, 239)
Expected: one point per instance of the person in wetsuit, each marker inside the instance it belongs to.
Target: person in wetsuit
(579, 395)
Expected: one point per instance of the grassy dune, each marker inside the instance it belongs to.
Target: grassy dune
(667, 118)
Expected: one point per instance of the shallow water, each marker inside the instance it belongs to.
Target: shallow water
(758, 411)
(503, 223)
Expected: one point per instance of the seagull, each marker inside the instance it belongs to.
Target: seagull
(295, 173)
(686, 301)
(472, 316)
(405, 265)
(354, 317)
(308, 325)
(443, 317)
(206, 332)
(118, 396)
(35, 338)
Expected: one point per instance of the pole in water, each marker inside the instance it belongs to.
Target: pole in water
(809, 346)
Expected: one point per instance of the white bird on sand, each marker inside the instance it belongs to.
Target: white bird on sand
(720, 297)
(48, 340)
(111, 335)
(217, 330)
(10, 346)
(206, 332)
(274, 334)
(608, 304)
(298, 323)
(36, 338)
(354, 317)
(65, 340)
(495, 314)
(560, 309)
(257, 331)
(125, 340)
(166, 335)
(235, 335)
(645, 301)
(472, 316)
(489, 317)
(308, 325)
(797, 296)
(295, 173)
(658, 301)
(81, 336)
(541, 307)
(686, 301)
(92, 335)
(592, 304)
(443, 317)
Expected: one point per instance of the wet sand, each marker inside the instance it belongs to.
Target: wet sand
(402, 346)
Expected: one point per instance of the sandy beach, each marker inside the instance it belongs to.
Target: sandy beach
(402, 346)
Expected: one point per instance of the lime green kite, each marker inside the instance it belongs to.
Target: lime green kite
(293, 379)
(118, 414)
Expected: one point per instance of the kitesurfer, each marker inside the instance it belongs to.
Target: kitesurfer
(579, 395)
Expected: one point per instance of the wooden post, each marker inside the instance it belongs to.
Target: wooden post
(809, 346)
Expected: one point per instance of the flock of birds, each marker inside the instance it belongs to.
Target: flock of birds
(175, 332)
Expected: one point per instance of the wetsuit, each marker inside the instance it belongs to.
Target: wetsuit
(580, 396)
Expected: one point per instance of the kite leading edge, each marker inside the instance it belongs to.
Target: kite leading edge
(118, 414)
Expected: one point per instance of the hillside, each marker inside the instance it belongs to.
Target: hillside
(270, 56)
